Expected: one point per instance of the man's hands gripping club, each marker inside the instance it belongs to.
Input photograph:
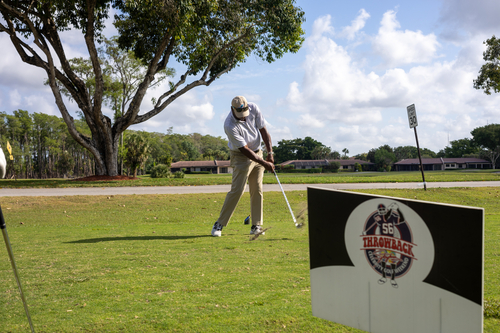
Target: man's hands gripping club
(268, 163)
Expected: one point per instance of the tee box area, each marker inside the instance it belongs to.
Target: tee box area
(392, 265)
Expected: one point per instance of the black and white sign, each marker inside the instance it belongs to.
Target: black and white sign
(412, 116)
(391, 265)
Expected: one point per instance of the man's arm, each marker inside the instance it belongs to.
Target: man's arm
(269, 166)
(266, 137)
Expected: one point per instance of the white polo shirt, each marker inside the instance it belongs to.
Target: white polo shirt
(240, 133)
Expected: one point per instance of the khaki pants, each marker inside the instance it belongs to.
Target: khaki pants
(244, 169)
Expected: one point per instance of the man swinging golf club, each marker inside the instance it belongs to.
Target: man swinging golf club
(244, 127)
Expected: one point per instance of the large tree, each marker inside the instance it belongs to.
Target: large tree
(296, 149)
(460, 148)
(210, 37)
(488, 138)
(405, 152)
(489, 74)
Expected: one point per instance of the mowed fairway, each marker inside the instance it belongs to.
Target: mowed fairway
(149, 264)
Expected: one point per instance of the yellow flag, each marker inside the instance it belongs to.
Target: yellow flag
(9, 148)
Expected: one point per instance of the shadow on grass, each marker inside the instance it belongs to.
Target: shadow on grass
(133, 238)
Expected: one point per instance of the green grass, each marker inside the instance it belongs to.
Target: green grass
(285, 178)
(146, 263)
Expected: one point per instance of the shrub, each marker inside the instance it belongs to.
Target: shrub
(333, 166)
(179, 174)
(161, 171)
(285, 168)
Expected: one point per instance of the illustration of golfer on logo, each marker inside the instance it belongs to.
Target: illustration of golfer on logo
(387, 243)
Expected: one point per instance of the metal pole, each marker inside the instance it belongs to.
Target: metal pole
(14, 268)
(420, 159)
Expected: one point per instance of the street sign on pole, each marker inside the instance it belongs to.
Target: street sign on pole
(412, 116)
(412, 119)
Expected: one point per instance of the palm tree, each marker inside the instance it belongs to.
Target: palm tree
(137, 152)
(345, 151)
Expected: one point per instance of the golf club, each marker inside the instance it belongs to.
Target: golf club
(255, 236)
(298, 225)
(14, 268)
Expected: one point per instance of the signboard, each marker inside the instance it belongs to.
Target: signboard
(9, 148)
(412, 116)
(391, 265)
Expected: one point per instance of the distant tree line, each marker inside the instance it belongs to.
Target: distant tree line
(485, 143)
(42, 148)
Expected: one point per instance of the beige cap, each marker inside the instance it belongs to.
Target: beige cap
(240, 106)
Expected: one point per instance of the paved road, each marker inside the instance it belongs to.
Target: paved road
(225, 188)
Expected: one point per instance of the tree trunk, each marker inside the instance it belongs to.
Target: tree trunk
(106, 155)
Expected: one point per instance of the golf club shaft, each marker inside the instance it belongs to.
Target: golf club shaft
(14, 268)
(290, 208)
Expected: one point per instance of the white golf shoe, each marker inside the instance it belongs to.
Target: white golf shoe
(217, 229)
(256, 229)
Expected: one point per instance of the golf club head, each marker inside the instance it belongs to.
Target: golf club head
(255, 236)
(301, 217)
(299, 225)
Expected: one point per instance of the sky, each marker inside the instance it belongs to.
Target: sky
(361, 65)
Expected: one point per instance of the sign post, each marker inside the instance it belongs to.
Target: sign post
(412, 119)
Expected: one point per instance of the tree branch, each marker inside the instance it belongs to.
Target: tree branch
(130, 116)
(202, 81)
(226, 46)
(94, 58)
(48, 66)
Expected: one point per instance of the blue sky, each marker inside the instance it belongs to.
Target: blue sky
(362, 64)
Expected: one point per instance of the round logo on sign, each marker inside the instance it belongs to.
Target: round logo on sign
(389, 238)
(388, 242)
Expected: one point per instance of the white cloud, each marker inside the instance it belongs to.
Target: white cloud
(321, 26)
(357, 24)
(333, 87)
(42, 104)
(254, 98)
(15, 98)
(478, 17)
(345, 106)
(308, 120)
(187, 114)
(398, 47)
(279, 133)
(15, 73)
